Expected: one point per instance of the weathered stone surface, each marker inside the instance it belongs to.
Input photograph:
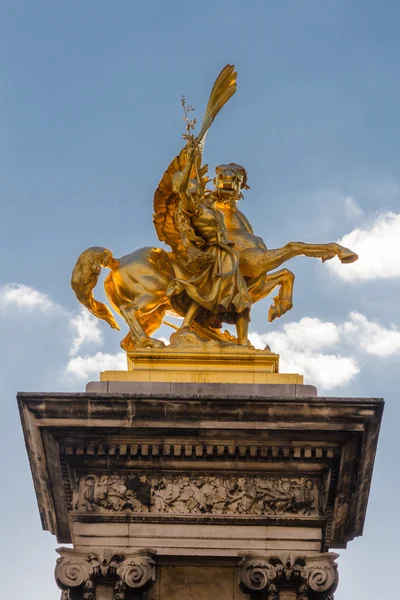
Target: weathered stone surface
(160, 493)
(204, 437)
(196, 582)
(200, 539)
(202, 474)
(212, 390)
(308, 575)
(104, 592)
(80, 573)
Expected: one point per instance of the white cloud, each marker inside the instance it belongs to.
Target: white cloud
(352, 209)
(312, 333)
(326, 371)
(302, 346)
(85, 329)
(84, 367)
(372, 337)
(378, 248)
(21, 296)
(299, 345)
(28, 314)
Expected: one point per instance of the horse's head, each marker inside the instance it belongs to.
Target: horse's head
(231, 177)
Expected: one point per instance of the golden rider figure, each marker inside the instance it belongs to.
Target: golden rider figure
(215, 290)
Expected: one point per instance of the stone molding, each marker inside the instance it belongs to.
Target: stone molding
(333, 439)
(314, 575)
(180, 494)
(189, 450)
(77, 571)
(158, 389)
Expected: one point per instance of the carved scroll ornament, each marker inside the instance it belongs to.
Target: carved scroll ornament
(321, 575)
(311, 574)
(72, 571)
(256, 575)
(77, 570)
(137, 572)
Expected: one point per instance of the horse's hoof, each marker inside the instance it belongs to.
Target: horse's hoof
(148, 343)
(128, 344)
(347, 256)
(157, 344)
(272, 314)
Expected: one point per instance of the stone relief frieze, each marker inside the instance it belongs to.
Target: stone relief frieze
(179, 494)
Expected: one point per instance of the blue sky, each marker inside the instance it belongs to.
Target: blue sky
(90, 117)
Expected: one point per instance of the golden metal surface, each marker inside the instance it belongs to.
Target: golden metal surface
(194, 376)
(216, 268)
(219, 365)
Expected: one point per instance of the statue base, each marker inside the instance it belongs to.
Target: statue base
(219, 365)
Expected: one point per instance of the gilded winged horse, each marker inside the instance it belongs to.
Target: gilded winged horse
(139, 284)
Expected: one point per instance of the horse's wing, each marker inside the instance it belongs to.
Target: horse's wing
(165, 204)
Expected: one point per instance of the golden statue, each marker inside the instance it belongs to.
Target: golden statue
(217, 267)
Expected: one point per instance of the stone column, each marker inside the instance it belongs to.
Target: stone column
(211, 476)
(119, 575)
(290, 577)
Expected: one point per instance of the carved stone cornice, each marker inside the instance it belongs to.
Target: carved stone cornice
(197, 452)
(205, 431)
(75, 570)
(313, 575)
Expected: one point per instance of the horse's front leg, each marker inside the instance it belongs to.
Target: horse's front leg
(324, 251)
(256, 261)
(283, 301)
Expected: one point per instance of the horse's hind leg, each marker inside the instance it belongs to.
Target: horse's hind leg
(127, 343)
(130, 312)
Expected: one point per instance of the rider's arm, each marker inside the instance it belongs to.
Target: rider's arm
(186, 198)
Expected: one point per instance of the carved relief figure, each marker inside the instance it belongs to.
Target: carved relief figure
(113, 493)
(180, 494)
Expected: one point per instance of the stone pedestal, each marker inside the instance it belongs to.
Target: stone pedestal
(194, 365)
(174, 490)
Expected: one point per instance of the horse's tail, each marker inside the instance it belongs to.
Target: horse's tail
(84, 278)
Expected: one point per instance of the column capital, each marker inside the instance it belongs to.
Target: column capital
(320, 573)
(314, 575)
(75, 571)
(137, 572)
(256, 574)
